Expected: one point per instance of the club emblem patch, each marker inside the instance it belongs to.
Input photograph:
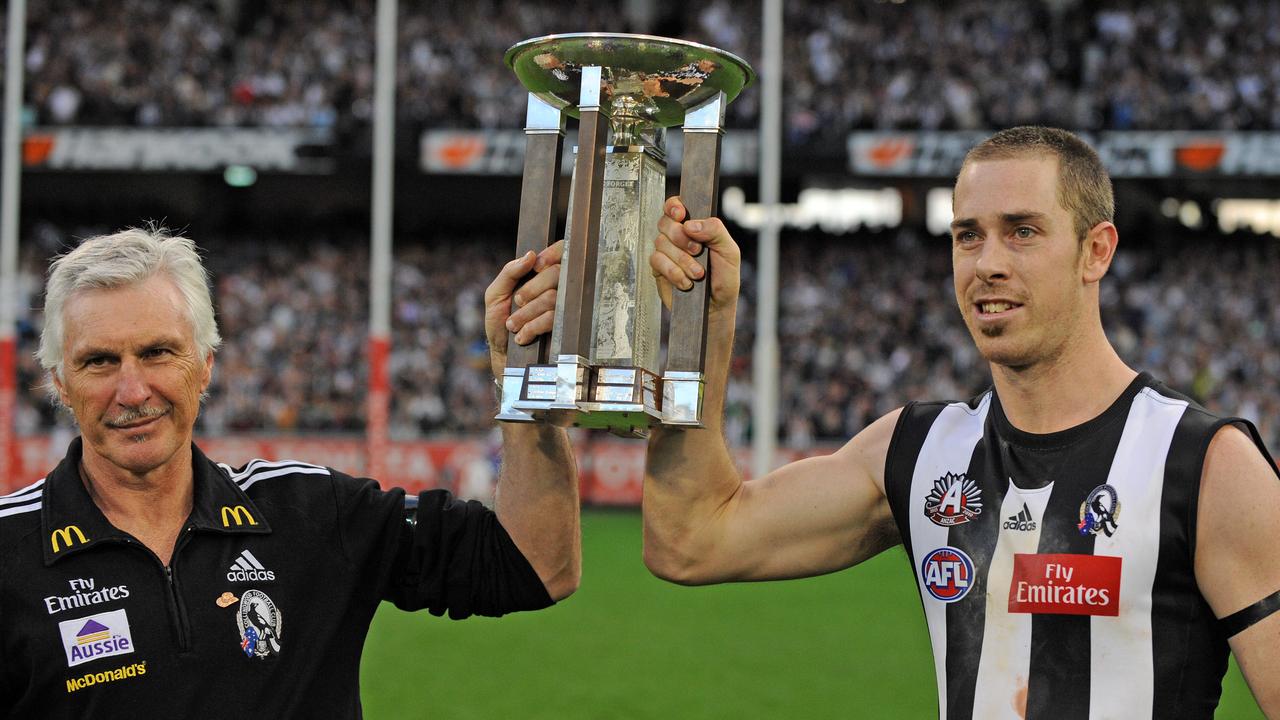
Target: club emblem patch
(1100, 512)
(260, 624)
(947, 574)
(954, 500)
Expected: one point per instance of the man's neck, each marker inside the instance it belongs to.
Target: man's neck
(1068, 391)
(152, 507)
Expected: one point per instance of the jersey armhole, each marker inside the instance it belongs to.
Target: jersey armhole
(890, 454)
(1193, 502)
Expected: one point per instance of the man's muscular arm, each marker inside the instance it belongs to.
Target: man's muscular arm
(1237, 559)
(537, 494)
(702, 523)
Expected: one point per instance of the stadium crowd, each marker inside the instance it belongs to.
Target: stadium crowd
(1115, 64)
(866, 322)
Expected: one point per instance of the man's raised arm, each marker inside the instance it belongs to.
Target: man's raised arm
(702, 523)
(537, 495)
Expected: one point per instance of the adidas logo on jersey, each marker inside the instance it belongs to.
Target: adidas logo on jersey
(1021, 521)
(246, 568)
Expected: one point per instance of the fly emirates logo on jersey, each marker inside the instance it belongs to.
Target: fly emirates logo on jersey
(1065, 584)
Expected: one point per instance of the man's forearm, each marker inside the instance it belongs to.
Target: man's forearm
(690, 475)
(537, 502)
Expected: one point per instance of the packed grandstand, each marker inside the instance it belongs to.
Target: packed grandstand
(859, 334)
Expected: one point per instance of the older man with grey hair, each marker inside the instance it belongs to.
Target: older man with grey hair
(140, 578)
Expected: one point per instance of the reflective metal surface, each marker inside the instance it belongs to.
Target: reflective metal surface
(649, 80)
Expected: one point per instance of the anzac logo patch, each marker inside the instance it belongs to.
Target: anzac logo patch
(1100, 512)
(260, 624)
(954, 500)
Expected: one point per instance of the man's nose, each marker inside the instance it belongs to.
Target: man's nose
(132, 387)
(993, 261)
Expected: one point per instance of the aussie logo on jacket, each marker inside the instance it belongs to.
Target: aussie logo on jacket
(101, 635)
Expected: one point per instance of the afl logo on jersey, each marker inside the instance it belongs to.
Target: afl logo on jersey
(954, 500)
(947, 574)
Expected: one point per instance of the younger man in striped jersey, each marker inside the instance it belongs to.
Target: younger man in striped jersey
(141, 579)
(1087, 543)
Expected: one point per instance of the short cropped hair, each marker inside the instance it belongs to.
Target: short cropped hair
(123, 259)
(1084, 186)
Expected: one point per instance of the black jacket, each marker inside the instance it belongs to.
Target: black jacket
(264, 607)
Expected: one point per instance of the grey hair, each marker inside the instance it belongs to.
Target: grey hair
(122, 259)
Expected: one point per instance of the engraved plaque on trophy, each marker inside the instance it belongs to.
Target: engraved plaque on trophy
(599, 367)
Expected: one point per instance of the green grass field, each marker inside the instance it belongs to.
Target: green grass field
(849, 645)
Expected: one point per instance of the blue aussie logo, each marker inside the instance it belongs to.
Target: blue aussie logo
(947, 573)
(954, 500)
(97, 636)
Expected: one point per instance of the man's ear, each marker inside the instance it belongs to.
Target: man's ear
(208, 372)
(1097, 250)
(59, 387)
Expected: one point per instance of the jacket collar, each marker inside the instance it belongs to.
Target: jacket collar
(72, 521)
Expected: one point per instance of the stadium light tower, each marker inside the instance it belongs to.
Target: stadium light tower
(9, 185)
(384, 115)
(764, 408)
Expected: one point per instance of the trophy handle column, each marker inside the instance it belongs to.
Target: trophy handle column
(578, 283)
(682, 381)
(539, 195)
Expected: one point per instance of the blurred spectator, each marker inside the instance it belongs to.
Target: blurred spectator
(1113, 64)
(866, 321)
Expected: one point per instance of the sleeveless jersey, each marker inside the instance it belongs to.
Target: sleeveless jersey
(1056, 571)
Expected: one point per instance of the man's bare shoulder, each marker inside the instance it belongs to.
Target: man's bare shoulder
(1236, 561)
(867, 451)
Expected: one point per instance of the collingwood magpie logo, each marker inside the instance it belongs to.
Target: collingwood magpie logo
(1021, 521)
(246, 568)
(1100, 512)
(260, 624)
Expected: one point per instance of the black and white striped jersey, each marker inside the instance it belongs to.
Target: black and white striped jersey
(1056, 571)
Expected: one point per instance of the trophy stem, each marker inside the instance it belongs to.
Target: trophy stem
(544, 132)
(579, 279)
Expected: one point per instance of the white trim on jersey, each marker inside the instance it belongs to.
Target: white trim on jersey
(1121, 660)
(25, 500)
(1004, 667)
(27, 493)
(248, 482)
(947, 448)
(257, 470)
(18, 510)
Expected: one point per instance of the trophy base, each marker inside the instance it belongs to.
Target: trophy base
(511, 389)
(627, 420)
(552, 393)
(682, 399)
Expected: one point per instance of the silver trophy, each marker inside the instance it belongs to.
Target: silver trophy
(599, 367)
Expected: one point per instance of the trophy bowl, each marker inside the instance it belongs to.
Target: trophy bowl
(668, 75)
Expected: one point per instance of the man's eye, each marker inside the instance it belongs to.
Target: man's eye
(1024, 232)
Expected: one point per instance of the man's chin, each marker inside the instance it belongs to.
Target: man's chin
(139, 454)
(1006, 354)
